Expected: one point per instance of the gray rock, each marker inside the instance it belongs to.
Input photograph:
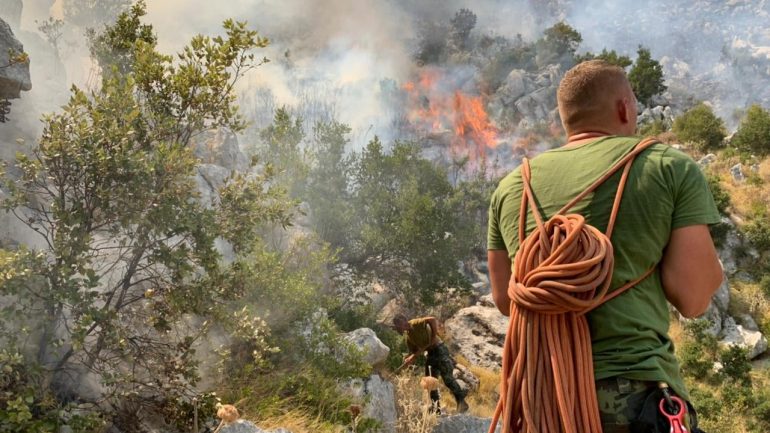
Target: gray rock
(13, 77)
(375, 352)
(221, 148)
(380, 397)
(737, 172)
(210, 179)
(734, 334)
(243, 426)
(721, 298)
(486, 301)
(728, 248)
(747, 322)
(708, 159)
(463, 424)
(478, 334)
(468, 381)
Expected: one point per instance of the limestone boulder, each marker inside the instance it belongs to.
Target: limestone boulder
(463, 424)
(478, 334)
(14, 77)
(734, 334)
(375, 352)
(379, 396)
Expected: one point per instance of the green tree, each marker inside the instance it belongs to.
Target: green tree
(461, 26)
(129, 278)
(558, 44)
(282, 148)
(753, 134)
(329, 191)
(701, 127)
(611, 57)
(410, 235)
(646, 76)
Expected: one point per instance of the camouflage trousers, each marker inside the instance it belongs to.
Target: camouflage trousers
(441, 364)
(631, 406)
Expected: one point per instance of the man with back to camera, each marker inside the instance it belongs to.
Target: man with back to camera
(662, 224)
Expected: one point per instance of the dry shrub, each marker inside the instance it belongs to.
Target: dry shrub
(413, 405)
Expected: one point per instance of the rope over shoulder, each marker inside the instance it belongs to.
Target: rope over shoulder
(561, 271)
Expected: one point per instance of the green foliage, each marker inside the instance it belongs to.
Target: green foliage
(646, 76)
(701, 127)
(653, 128)
(115, 46)
(558, 45)
(610, 57)
(26, 407)
(329, 192)
(699, 351)
(129, 257)
(721, 197)
(736, 365)
(282, 149)
(402, 193)
(460, 30)
(753, 134)
(758, 233)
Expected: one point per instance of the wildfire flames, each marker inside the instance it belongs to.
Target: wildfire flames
(437, 109)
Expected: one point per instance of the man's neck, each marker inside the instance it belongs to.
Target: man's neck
(582, 137)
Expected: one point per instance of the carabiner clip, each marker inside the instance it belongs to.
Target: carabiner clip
(676, 420)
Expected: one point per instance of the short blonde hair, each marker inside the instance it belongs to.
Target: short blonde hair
(588, 91)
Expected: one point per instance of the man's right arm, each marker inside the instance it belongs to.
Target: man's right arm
(499, 276)
(690, 270)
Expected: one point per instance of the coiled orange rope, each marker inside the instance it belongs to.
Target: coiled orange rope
(561, 271)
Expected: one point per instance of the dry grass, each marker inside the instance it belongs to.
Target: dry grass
(745, 197)
(413, 405)
(483, 401)
(297, 421)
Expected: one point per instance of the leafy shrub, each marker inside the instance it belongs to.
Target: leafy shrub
(653, 128)
(721, 197)
(698, 352)
(753, 134)
(701, 127)
(736, 365)
(758, 233)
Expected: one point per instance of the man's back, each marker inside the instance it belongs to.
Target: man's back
(665, 191)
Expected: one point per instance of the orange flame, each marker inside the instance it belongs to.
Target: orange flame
(437, 110)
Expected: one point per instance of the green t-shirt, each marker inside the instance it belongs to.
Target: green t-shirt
(420, 335)
(665, 190)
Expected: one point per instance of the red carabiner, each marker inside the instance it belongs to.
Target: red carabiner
(676, 420)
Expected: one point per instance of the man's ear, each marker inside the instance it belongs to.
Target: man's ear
(623, 111)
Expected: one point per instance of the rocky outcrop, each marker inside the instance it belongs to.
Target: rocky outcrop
(745, 335)
(365, 339)
(380, 398)
(14, 76)
(529, 98)
(478, 334)
(463, 424)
